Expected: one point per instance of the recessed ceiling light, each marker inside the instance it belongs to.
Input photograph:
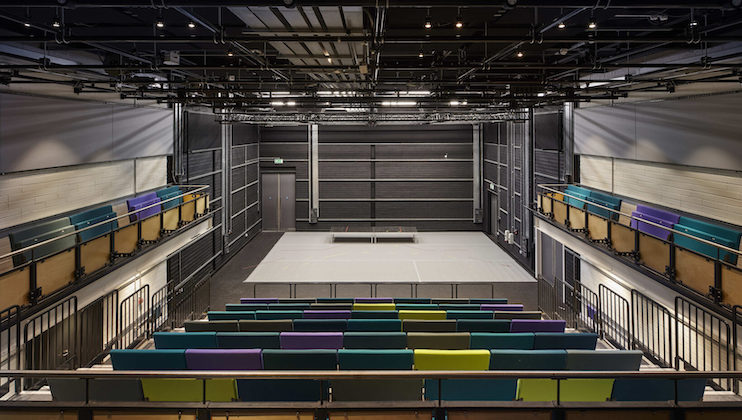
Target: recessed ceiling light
(519, 54)
(561, 25)
(160, 24)
(592, 25)
(459, 22)
(693, 23)
(56, 24)
(420, 54)
(191, 25)
(428, 23)
(230, 53)
(27, 25)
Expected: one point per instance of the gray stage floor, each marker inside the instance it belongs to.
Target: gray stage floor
(450, 257)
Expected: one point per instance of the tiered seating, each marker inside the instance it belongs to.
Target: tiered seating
(47, 268)
(647, 239)
(347, 339)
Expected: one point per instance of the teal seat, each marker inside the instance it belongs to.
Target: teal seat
(459, 307)
(375, 325)
(468, 314)
(275, 315)
(38, 233)
(579, 192)
(230, 315)
(249, 307)
(375, 340)
(91, 217)
(528, 360)
(185, 340)
(411, 300)
(288, 306)
(374, 315)
(248, 340)
(605, 200)
(416, 307)
(513, 341)
(489, 301)
(376, 389)
(629, 360)
(335, 300)
(320, 325)
(710, 232)
(135, 359)
(483, 325)
(168, 193)
(289, 389)
(565, 341)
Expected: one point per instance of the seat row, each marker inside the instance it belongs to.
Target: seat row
(61, 261)
(374, 340)
(388, 389)
(347, 314)
(406, 325)
(374, 306)
(402, 300)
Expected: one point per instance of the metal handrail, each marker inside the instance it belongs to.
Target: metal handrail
(75, 232)
(370, 374)
(669, 229)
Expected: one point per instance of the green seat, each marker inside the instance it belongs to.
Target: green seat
(426, 359)
(441, 341)
(375, 325)
(466, 314)
(268, 325)
(514, 341)
(248, 340)
(483, 325)
(375, 340)
(373, 307)
(376, 389)
(211, 326)
(230, 315)
(421, 315)
(570, 390)
(277, 314)
(185, 340)
(189, 390)
(374, 315)
(420, 325)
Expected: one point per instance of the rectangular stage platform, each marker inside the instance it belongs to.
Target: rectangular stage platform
(373, 233)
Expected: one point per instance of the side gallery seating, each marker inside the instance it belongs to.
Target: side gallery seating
(102, 234)
(647, 239)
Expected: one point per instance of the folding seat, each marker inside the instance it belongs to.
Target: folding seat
(207, 326)
(288, 306)
(135, 359)
(578, 199)
(417, 306)
(320, 325)
(334, 300)
(170, 207)
(378, 325)
(268, 325)
(376, 389)
(411, 300)
(6, 264)
(289, 389)
(374, 314)
(223, 359)
(459, 314)
(512, 341)
(22, 238)
(462, 389)
(374, 300)
(565, 341)
(326, 314)
(516, 307)
(429, 315)
(483, 325)
(531, 389)
(459, 307)
(331, 306)
(731, 285)
(626, 208)
(250, 301)
(373, 307)
(185, 340)
(95, 250)
(604, 200)
(440, 341)
(268, 315)
(424, 325)
(147, 215)
(596, 389)
(311, 340)
(635, 389)
(535, 325)
(99, 389)
(126, 238)
(375, 340)
(249, 307)
(230, 315)
(450, 301)
(558, 207)
(194, 204)
(510, 315)
(16, 286)
(658, 216)
(248, 340)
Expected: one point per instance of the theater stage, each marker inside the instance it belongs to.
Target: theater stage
(440, 264)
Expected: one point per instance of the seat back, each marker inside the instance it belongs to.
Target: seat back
(223, 359)
(442, 341)
(578, 192)
(273, 315)
(136, 359)
(661, 217)
(373, 307)
(376, 389)
(452, 359)
(331, 306)
(186, 340)
(417, 306)
(503, 359)
(375, 340)
(207, 326)
(628, 389)
(311, 340)
(141, 202)
(374, 315)
(300, 306)
(429, 315)
(605, 200)
(375, 325)
(375, 359)
(248, 340)
(502, 307)
(97, 231)
(320, 325)
(423, 325)
(267, 325)
(411, 300)
(537, 325)
(518, 315)
(514, 341)
(710, 232)
(483, 325)
(326, 314)
(374, 300)
(572, 341)
(258, 300)
(628, 360)
(249, 307)
(468, 314)
(230, 315)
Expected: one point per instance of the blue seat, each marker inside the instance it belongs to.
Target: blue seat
(514, 341)
(289, 389)
(375, 340)
(91, 217)
(565, 341)
(277, 315)
(579, 192)
(710, 232)
(248, 340)
(135, 359)
(185, 340)
(605, 200)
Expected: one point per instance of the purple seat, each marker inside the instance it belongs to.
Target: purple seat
(223, 359)
(661, 217)
(328, 314)
(374, 300)
(537, 325)
(311, 340)
(501, 307)
(258, 300)
(140, 202)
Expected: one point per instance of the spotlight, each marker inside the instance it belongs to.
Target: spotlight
(592, 25)
(291, 103)
(329, 60)
(326, 53)
(693, 23)
(56, 24)
(420, 54)
(519, 54)
(191, 25)
(27, 25)
(230, 53)
(428, 23)
(561, 25)
(160, 24)
(459, 22)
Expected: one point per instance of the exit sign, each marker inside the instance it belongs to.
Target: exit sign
(278, 161)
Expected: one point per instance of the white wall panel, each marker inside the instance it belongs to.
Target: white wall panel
(151, 173)
(596, 172)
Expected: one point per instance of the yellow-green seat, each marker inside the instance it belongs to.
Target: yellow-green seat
(373, 306)
(189, 390)
(574, 390)
(425, 315)
(452, 359)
